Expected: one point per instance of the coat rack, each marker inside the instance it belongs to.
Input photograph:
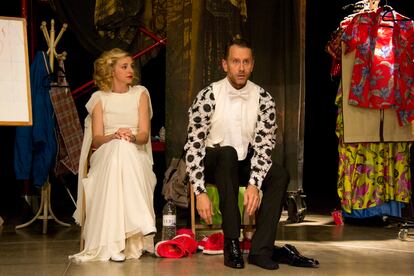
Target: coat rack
(52, 42)
(45, 211)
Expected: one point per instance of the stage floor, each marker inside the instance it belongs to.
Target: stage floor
(341, 250)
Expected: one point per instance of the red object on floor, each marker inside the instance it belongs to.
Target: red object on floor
(337, 217)
(169, 249)
(202, 243)
(188, 243)
(214, 244)
(185, 231)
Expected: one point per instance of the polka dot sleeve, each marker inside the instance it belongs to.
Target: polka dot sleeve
(199, 125)
(264, 139)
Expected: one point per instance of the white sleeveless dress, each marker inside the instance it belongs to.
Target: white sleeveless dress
(119, 187)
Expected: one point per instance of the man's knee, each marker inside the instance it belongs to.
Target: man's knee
(220, 161)
(283, 175)
(279, 177)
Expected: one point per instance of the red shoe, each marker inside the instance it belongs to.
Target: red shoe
(214, 244)
(245, 246)
(202, 243)
(185, 231)
(188, 243)
(169, 249)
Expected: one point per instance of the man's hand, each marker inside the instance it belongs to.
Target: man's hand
(205, 208)
(251, 199)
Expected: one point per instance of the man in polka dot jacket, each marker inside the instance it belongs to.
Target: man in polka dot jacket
(231, 135)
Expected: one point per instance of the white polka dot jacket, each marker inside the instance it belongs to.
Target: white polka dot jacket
(263, 142)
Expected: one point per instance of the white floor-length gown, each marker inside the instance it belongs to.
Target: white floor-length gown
(119, 186)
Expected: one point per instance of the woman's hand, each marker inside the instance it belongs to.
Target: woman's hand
(125, 134)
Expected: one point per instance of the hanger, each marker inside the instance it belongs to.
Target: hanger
(388, 9)
(52, 78)
(362, 6)
(358, 6)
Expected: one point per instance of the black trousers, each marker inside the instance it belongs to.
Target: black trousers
(224, 170)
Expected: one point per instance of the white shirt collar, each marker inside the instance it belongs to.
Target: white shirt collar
(237, 93)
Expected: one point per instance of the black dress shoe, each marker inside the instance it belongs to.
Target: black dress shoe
(263, 262)
(288, 254)
(232, 254)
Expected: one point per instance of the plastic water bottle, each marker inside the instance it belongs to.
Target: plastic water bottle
(161, 134)
(169, 219)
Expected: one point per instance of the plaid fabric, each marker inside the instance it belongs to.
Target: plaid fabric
(70, 133)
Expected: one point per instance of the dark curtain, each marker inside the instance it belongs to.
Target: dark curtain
(276, 30)
(221, 22)
(102, 25)
(197, 33)
(80, 14)
(178, 58)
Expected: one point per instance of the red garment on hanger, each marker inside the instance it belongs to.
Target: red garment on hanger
(381, 76)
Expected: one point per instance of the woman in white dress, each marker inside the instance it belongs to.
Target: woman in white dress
(117, 193)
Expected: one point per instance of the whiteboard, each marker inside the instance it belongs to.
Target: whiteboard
(15, 100)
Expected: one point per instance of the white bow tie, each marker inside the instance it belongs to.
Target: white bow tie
(242, 94)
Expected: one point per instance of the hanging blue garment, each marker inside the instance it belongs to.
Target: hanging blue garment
(35, 146)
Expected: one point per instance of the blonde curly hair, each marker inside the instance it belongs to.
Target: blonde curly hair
(103, 68)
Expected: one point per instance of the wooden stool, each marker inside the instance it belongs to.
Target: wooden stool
(248, 222)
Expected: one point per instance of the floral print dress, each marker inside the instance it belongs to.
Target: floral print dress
(370, 174)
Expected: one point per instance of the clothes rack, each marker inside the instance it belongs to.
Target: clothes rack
(45, 211)
(356, 143)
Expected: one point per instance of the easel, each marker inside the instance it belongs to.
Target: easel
(45, 211)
